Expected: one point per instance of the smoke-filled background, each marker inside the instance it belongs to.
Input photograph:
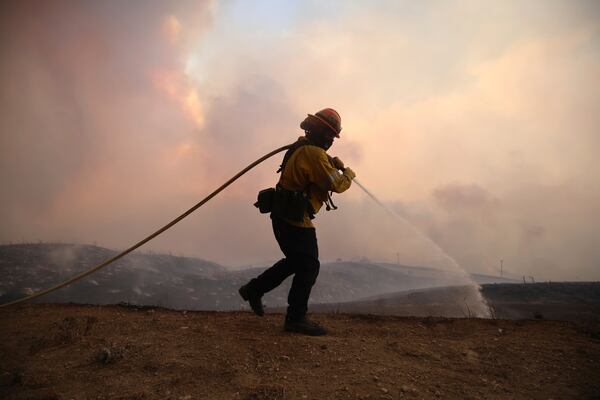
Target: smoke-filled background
(476, 120)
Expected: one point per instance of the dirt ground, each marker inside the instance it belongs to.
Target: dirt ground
(113, 352)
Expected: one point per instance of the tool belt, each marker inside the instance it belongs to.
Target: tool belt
(285, 203)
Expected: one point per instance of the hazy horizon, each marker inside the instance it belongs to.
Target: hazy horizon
(475, 120)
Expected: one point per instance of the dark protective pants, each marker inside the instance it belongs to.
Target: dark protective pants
(299, 245)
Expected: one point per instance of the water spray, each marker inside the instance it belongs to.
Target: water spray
(486, 310)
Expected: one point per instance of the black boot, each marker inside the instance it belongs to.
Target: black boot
(304, 326)
(254, 300)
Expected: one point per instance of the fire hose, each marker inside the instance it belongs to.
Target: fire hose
(152, 236)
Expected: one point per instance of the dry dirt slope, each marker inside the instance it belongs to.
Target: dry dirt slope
(113, 352)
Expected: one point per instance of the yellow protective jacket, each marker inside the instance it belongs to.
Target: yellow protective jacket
(310, 167)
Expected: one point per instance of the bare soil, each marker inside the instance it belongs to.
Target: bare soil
(114, 352)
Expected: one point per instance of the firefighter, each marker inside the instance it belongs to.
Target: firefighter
(308, 177)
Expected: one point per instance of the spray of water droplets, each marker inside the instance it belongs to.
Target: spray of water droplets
(479, 306)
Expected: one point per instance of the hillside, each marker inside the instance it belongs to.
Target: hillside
(157, 279)
(190, 283)
(568, 301)
(111, 352)
(344, 286)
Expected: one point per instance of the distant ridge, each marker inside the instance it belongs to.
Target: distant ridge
(344, 286)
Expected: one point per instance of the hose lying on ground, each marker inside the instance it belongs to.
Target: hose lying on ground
(152, 236)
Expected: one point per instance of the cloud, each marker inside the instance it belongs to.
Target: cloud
(454, 196)
(475, 121)
(85, 133)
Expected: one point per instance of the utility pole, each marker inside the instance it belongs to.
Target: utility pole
(501, 267)
(398, 258)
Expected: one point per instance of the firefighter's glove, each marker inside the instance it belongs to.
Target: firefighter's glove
(339, 164)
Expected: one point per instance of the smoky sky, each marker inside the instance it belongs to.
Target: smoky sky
(474, 121)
